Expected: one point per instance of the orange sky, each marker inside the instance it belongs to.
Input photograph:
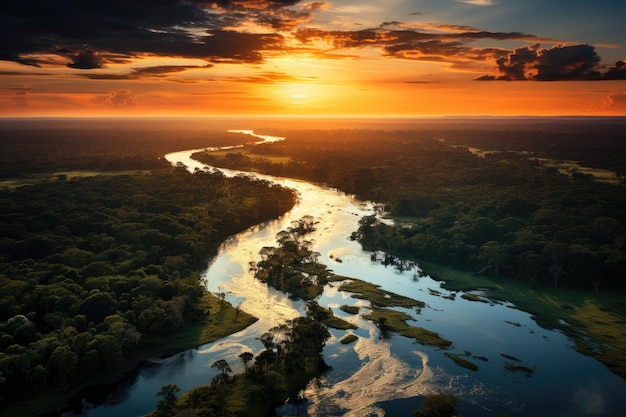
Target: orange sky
(270, 57)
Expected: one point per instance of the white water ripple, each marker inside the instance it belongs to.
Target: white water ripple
(382, 377)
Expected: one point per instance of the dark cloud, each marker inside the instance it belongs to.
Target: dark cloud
(414, 44)
(95, 32)
(617, 72)
(453, 44)
(146, 72)
(577, 62)
(86, 59)
(515, 66)
(163, 70)
(559, 63)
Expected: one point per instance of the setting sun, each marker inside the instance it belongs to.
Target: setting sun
(331, 208)
(313, 58)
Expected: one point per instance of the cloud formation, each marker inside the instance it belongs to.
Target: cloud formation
(559, 63)
(85, 59)
(120, 98)
(441, 43)
(92, 33)
(614, 101)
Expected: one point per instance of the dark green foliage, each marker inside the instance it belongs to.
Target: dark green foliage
(438, 405)
(504, 214)
(292, 357)
(462, 362)
(92, 266)
(45, 146)
(292, 267)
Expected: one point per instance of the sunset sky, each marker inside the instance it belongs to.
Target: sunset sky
(340, 57)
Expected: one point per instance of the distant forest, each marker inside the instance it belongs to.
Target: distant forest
(503, 214)
(45, 146)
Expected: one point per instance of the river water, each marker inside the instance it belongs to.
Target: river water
(375, 376)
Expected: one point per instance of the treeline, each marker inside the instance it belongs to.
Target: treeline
(91, 267)
(502, 214)
(597, 145)
(34, 146)
(292, 356)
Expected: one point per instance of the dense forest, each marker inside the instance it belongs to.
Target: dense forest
(503, 214)
(92, 267)
(292, 356)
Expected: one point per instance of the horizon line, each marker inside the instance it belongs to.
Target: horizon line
(274, 116)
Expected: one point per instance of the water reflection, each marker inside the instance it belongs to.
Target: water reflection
(371, 376)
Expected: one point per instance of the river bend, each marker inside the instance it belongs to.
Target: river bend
(374, 376)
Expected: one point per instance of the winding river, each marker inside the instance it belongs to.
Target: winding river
(524, 370)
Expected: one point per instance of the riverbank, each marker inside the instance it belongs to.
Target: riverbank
(223, 320)
(594, 321)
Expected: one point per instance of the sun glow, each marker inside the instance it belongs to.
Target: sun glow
(305, 95)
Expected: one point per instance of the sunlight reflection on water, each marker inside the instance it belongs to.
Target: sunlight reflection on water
(373, 371)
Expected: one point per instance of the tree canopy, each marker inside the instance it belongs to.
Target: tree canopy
(91, 266)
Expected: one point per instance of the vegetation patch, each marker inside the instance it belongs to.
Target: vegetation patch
(462, 362)
(473, 297)
(377, 296)
(349, 338)
(292, 266)
(350, 309)
(396, 321)
(511, 367)
(338, 323)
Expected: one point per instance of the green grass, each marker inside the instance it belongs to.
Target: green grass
(396, 321)
(377, 296)
(462, 362)
(338, 323)
(349, 338)
(472, 297)
(222, 321)
(350, 309)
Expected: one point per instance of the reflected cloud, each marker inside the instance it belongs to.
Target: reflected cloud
(591, 400)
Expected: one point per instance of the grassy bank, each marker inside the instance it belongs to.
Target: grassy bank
(386, 318)
(222, 321)
(595, 321)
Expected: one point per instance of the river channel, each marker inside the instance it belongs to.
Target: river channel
(524, 369)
